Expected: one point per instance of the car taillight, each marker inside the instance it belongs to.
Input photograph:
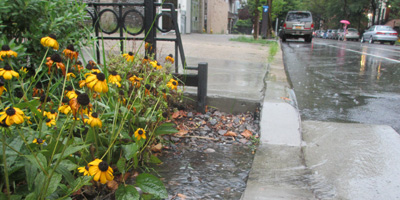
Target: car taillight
(380, 33)
(393, 34)
(284, 25)
(312, 26)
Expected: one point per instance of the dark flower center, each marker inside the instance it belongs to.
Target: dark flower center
(174, 83)
(7, 67)
(121, 92)
(165, 114)
(146, 57)
(79, 62)
(77, 92)
(114, 73)
(39, 141)
(158, 64)
(147, 86)
(56, 58)
(94, 115)
(87, 168)
(19, 94)
(89, 66)
(10, 111)
(69, 88)
(83, 99)
(130, 53)
(65, 100)
(101, 76)
(103, 166)
(53, 36)
(1, 82)
(170, 55)
(48, 120)
(5, 48)
(52, 111)
(71, 47)
(43, 97)
(140, 132)
(164, 90)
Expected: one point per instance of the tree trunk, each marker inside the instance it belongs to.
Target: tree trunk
(269, 31)
(256, 20)
(373, 6)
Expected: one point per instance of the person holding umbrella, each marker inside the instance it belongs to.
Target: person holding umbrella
(345, 22)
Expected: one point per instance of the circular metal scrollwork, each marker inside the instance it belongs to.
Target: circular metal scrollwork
(168, 15)
(92, 19)
(124, 21)
(99, 22)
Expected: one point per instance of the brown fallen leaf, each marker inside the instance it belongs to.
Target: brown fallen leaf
(175, 115)
(230, 133)
(181, 133)
(182, 196)
(112, 185)
(246, 133)
(156, 148)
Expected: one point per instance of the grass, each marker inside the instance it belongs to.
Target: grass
(248, 39)
(273, 48)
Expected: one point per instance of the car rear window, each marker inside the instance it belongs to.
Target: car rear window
(299, 16)
(384, 28)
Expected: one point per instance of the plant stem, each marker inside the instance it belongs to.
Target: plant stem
(5, 167)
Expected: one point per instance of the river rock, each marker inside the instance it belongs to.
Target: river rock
(209, 150)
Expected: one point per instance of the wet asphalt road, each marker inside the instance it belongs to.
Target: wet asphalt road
(345, 81)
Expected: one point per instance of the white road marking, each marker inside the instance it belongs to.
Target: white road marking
(393, 60)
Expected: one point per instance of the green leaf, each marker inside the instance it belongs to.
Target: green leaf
(55, 180)
(16, 197)
(166, 128)
(30, 171)
(69, 165)
(127, 193)
(66, 173)
(130, 150)
(70, 150)
(31, 196)
(151, 184)
(41, 165)
(154, 159)
(121, 165)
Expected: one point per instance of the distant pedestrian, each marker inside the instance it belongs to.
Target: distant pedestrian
(344, 32)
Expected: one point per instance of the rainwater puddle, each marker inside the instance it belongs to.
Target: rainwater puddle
(197, 172)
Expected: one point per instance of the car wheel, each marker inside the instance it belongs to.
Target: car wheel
(283, 39)
(308, 39)
(382, 42)
(371, 41)
(362, 39)
(392, 43)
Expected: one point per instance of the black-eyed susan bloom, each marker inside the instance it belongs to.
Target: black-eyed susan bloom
(140, 133)
(70, 52)
(79, 103)
(50, 122)
(84, 170)
(70, 92)
(148, 46)
(172, 83)
(129, 56)
(7, 73)
(2, 88)
(7, 52)
(122, 98)
(135, 81)
(78, 66)
(147, 89)
(52, 114)
(38, 89)
(50, 41)
(114, 78)
(55, 59)
(94, 120)
(38, 141)
(170, 58)
(101, 171)
(11, 116)
(145, 60)
(69, 75)
(153, 63)
(97, 82)
(66, 109)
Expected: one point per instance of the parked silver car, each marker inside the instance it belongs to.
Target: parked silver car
(298, 24)
(352, 34)
(380, 33)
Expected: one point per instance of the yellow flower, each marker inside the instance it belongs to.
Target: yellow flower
(7, 52)
(93, 120)
(55, 58)
(23, 70)
(51, 115)
(50, 122)
(145, 60)
(70, 52)
(153, 63)
(135, 81)
(70, 92)
(148, 46)
(80, 103)
(97, 82)
(69, 74)
(173, 84)
(129, 56)
(11, 116)
(140, 133)
(101, 171)
(38, 141)
(78, 66)
(114, 78)
(7, 72)
(170, 58)
(2, 88)
(66, 109)
(84, 170)
(50, 41)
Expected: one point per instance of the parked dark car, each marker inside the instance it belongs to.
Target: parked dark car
(298, 24)
(381, 34)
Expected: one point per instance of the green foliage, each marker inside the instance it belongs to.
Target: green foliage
(151, 184)
(247, 39)
(244, 23)
(127, 193)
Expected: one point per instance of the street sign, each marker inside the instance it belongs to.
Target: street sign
(265, 9)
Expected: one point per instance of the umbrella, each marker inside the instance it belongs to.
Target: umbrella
(344, 22)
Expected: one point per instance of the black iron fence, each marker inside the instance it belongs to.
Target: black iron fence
(145, 21)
